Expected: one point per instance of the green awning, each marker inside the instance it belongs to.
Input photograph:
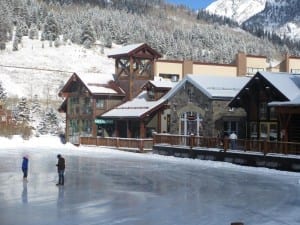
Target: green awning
(101, 121)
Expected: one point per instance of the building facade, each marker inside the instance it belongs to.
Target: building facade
(199, 105)
(244, 65)
(272, 103)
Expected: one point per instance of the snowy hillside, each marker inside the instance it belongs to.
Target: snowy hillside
(280, 16)
(238, 10)
(37, 68)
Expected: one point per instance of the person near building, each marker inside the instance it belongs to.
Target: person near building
(233, 140)
(60, 169)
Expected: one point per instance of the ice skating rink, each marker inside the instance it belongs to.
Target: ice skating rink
(110, 187)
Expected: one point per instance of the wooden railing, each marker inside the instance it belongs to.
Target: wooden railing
(134, 144)
(263, 146)
(141, 145)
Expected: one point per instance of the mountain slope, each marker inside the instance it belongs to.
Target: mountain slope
(238, 10)
(37, 69)
(280, 16)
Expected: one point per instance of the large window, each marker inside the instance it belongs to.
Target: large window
(73, 105)
(295, 71)
(100, 103)
(74, 126)
(268, 131)
(191, 123)
(86, 127)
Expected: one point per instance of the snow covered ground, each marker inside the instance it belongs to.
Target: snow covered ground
(106, 186)
(36, 64)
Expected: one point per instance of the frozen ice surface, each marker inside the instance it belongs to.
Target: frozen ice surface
(111, 187)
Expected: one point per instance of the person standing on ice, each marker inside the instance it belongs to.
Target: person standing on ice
(60, 169)
(25, 163)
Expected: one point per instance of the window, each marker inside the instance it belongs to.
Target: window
(86, 127)
(172, 77)
(99, 103)
(263, 110)
(295, 71)
(253, 71)
(151, 94)
(74, 128)
(268, 131)
(74, 100)
(231, 126)
(273, 115)
(191, 123)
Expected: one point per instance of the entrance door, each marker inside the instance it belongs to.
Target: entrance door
(191, 123)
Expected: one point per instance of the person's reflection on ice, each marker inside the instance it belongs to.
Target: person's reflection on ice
(24, 193)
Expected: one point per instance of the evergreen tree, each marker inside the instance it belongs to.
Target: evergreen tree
(51, 29)
(49, 123)
(33, 32)
(88, 36)
(23, 111)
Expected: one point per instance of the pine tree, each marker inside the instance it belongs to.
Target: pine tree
(23, 112)
(51, 29)
(49, 123)
(88, 36)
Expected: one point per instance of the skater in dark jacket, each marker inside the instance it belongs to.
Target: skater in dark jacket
(25, 167)
(60, 169)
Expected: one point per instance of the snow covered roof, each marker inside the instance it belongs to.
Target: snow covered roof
(288, 84)
(294, 102)
(136, 108)
(213, 86)
(132, 49)
(124, 50)
(96, 83)
(163, 83)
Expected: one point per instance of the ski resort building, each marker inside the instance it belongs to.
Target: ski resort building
(147, 94)
(272, 104)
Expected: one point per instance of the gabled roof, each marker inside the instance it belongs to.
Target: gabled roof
(130, 50)
(288, 85)
(138, 107)
(214, 87)
(96, 84)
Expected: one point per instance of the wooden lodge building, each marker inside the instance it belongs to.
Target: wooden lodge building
(85, 97)
(272, 105)
(147, 94)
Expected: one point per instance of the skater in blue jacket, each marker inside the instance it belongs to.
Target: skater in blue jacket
(25, 167)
